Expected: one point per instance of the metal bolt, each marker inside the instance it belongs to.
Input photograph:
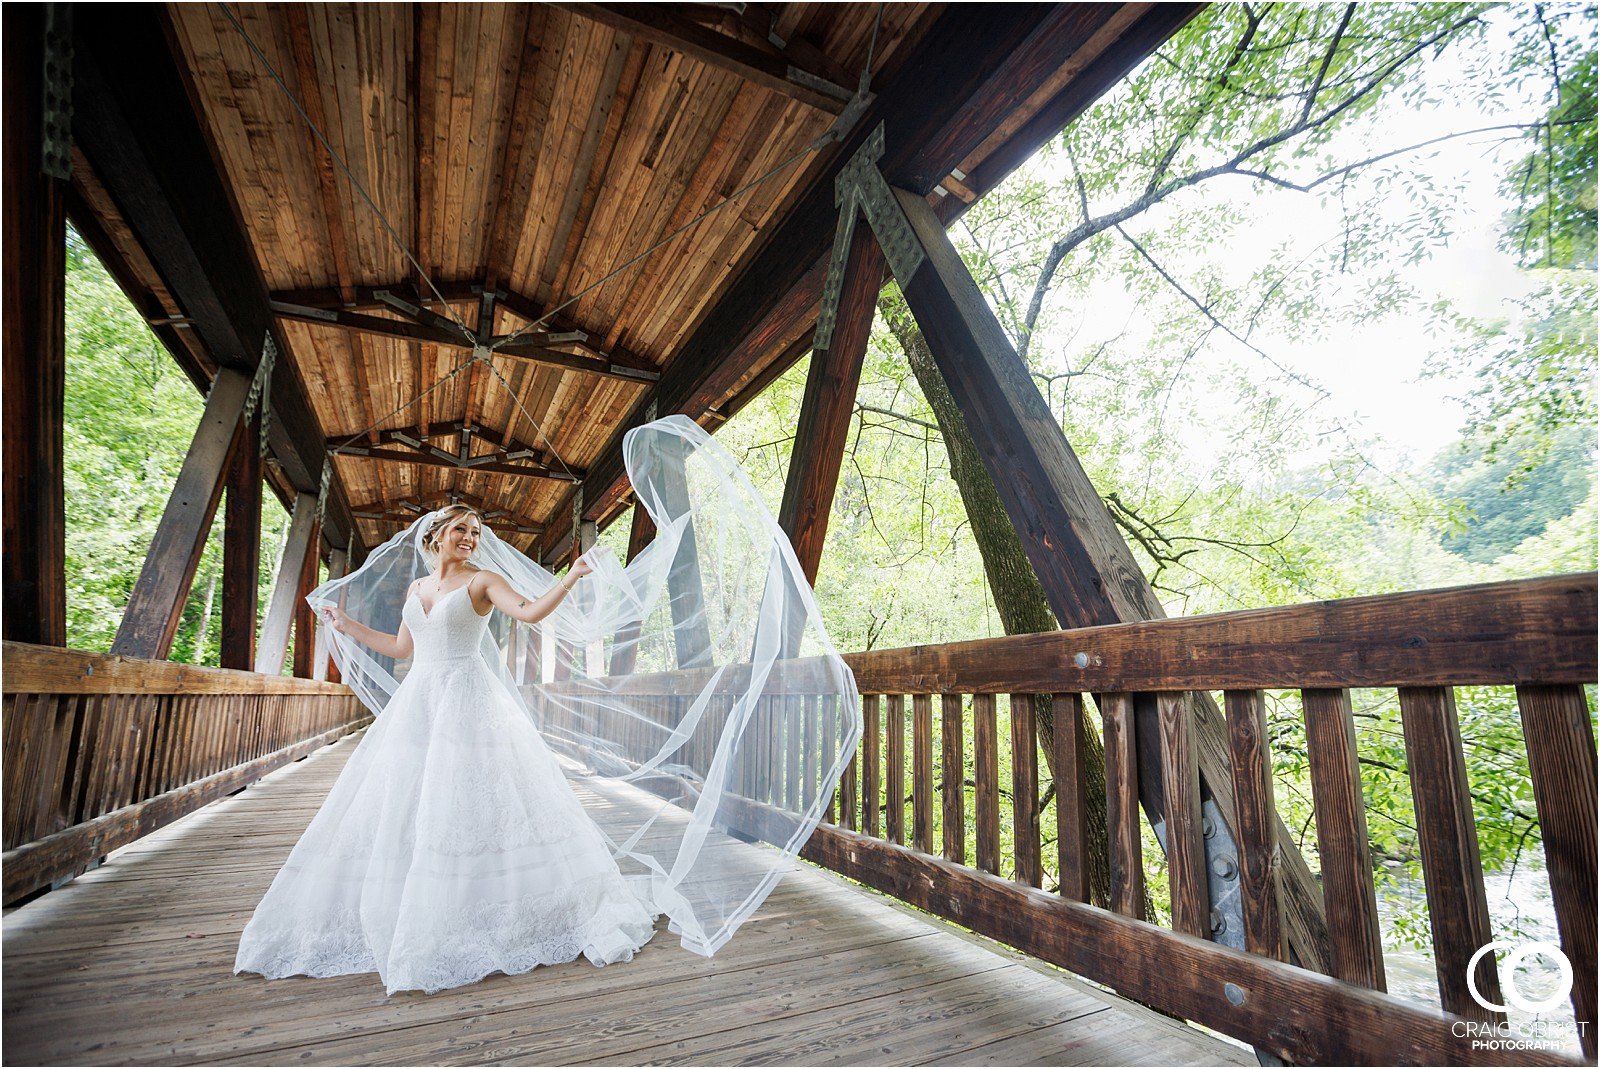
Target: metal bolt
(1081, 660)
(1208, 827)
(1234, 994)
(1219, 923)
(1224, 866)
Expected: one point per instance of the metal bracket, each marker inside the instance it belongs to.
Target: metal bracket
(56, 157)
(1222, 868)
(861, 189)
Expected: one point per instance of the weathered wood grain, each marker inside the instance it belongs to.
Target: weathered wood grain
(1186, 853)
(1458, 908)
(1122, 803)
(953, 777)
(1559, 728)
(1072, 829)
(1356, 942)
(1025, 790)
(33, 356)
(901, 983)
(1259, 862)
(922, 772)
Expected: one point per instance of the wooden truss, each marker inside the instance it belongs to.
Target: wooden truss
(420, 447)
(419, 323)
(1088, 572)
(406, 510)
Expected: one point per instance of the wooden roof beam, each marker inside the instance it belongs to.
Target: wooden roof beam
(404, 519)
(415, 505)
(327, 307)
(498, 462)
(781, 71)
(135, 124)
(416, 437)
(967, 76)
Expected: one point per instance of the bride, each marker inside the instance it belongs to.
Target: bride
(692, 695)
(451, 846)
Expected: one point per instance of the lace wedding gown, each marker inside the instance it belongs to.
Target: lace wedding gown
(451, 846)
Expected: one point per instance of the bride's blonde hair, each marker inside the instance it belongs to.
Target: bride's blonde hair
(445, 516)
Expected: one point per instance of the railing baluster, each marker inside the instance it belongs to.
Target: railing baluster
(986, 775)
(764, 748)
(1072, 839)
(871, 759)
(1458, 908)
(1025, 790)
(1254, 819)
(922, 773)
(1186, 852)
(1354, 937)
(1561, 759)
(848, 792)
(796, 730)
(1122, 804)
(895, 769)
(812, 734)
(830, 742)
(953, 777)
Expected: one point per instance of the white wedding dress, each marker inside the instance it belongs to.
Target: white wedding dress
(451, 846)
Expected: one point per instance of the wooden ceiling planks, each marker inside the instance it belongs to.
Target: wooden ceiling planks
(530, 148)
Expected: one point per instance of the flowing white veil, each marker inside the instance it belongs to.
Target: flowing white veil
(692, 697)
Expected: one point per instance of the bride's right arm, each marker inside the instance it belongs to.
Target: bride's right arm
(398, 646)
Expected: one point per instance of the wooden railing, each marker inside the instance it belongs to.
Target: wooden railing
(1537, 636)
(100, 750)
(1142, 680)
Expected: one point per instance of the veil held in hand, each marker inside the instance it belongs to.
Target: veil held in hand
(692, 696)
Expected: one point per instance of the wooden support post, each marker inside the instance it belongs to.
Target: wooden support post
(625, 653)
(323, 669)
(685, 588)
(34, 349)
(829, 402)
(156, 606)
(305, 621)
(241, 553)
(285, 585)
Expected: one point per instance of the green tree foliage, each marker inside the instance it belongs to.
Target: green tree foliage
(130, 414)
(1235, 480)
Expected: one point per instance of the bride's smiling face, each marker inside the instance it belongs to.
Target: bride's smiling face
(459, 539)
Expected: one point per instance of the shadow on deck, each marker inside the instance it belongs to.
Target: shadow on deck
(132, 964)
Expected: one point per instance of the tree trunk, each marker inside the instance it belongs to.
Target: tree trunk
(1019, 597)
(205, 621)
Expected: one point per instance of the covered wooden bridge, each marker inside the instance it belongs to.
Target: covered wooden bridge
(414, 253)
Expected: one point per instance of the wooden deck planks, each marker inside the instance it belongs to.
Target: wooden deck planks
(132, 964)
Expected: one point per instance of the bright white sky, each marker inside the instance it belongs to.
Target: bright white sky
(1373, 370)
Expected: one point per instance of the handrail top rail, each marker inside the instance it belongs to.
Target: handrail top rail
(1520, 631)
(1513, 632)
(26, 668)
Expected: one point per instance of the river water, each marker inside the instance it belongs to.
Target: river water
(1521, 910)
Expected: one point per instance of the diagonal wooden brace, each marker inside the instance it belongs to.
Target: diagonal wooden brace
(1082, 560)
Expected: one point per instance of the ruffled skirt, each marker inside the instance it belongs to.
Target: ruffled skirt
(450, 847)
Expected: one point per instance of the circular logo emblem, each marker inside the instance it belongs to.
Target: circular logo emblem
(1520, 952)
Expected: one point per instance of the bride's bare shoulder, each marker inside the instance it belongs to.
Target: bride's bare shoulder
(485, 577)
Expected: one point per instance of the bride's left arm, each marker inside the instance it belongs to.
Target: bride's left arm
(531, 610)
